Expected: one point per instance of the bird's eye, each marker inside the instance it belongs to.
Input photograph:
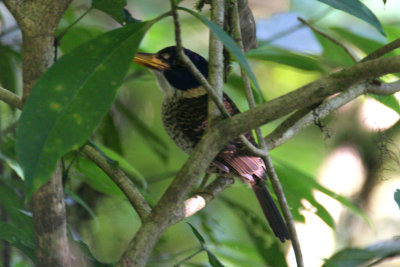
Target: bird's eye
(165, 56)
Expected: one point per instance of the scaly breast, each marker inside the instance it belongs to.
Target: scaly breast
(185, 120)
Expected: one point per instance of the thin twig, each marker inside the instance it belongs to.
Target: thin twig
(330, 38)
(383, 50)
(121, 180)
(63, 32)
(10, 98)
(267, 159)
(295, 123)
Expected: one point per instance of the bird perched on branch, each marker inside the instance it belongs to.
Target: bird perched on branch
(184, 116)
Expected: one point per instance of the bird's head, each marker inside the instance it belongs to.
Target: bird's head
(167, 63)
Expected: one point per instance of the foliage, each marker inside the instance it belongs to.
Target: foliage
(70, 101)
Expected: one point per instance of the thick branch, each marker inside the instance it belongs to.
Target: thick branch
(38, 21)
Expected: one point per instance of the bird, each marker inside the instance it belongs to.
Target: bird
(184, 117)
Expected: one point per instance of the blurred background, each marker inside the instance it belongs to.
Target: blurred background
(353, 153)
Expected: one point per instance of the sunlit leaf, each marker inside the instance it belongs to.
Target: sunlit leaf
(388, 100)
(229, 43)
(357, 9)
(70, 99)
(289, 176)
(270, 53)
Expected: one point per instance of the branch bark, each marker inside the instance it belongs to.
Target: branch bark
(38, 21)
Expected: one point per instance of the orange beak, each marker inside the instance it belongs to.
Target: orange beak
(151, 61)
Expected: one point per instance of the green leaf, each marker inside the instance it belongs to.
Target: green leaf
(388, 100)
(151, 138)
(17, 238)
(13, 204)
(333, 55)
(290, 175)
(397, 197)
(229, 43)
(212, 259)
(365, 44)
(114, 8)
(197, 234)
(96, 178)
(126, 166)
(78, 35)
(80, 201)
(270, 53)
(350, 257)
(357, 9)
(264, 241)
(70, 99)
(8, 61)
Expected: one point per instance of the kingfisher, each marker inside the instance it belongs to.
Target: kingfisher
(184, 117)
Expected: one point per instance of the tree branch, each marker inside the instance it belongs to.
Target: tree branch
(383, 50)
(10, 98)
(121, 180)
(215, 63)
(294, 124)
(38, 21)
(266, 157)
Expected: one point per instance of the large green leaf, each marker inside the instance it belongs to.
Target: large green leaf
(70, 99)
(229, 43)
(270, 53)
(350, 257)
(299, 185)
(357, 9)
(17, 238)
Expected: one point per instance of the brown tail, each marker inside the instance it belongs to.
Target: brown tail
(270, 210)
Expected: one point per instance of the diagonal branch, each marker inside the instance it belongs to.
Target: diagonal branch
(298, 122)
(121, 180)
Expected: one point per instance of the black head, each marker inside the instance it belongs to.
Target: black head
(166, 60)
